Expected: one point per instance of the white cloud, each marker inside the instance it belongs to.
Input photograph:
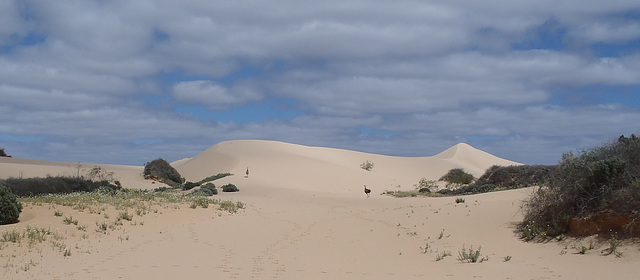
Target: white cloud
(213, 95)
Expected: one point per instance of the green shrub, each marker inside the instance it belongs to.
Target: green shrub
(189, 185)
(3, 154)
(215, 177)
(10, 207)
(202, 191)
(52, 185)
(211, 187)
(597, 180)
(426, 186)
(457, 176)
(498, 178)
(230, 188)
(162, 171)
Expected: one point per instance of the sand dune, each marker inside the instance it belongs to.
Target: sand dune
(306, 217)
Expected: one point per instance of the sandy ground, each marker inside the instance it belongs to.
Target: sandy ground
(297, 227)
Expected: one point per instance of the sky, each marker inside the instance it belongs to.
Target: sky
(126, 82)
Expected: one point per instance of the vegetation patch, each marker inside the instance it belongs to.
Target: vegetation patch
(58, 184)
(595, 191)
(457, 176)
(230, 188)
(215, 177)
(367, 165)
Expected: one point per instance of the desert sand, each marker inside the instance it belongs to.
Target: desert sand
(305, 217)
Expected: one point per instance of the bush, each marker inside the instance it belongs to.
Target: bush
(50, 185)
(426, 186)
(603, 179)
(203, 191)
(215, 177)
(162, 171)
(457, 176)
(3, 154)
(211, 187)
(189, 185)
(230, 188)
(10, 208)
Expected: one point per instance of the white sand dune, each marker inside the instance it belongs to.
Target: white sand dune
(284, 165)
(306, 217)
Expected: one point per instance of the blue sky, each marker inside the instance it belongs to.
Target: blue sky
(126, 82)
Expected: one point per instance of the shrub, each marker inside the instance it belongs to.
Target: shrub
(230, 188)
(3, 154)
(367, 165)
(51, 185)
(426, 186)
(215, 177)
(162, 171)
(603, 179)
(457, 176)
(189, 185)
(497, 178)
(211, 187)
(10, 207)
(203, 191)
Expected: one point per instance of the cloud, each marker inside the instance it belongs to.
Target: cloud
(88, 78)
(213, 95)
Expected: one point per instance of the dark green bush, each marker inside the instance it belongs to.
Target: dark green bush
(215, 177)
(10, 207)
(189, 185)
(457, 176)
(203, 191)
(600, 179)
(229, 188)
(59, 184)
(162, 171)
(3, 154)
(211, 187)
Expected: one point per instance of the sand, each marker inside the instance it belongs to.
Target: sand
(305, 217)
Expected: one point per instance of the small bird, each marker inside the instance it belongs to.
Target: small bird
(367, 191)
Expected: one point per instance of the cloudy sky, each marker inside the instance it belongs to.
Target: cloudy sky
(126, 82)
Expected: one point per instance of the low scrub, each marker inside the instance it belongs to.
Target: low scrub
(52, 185)
(601, 181)
(498, 178)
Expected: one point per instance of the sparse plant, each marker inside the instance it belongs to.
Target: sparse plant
(57, 213)
(507, 258)
(442, 255)
(70, 220)
(460, 200)
(125, 216)
(613, 247)
(425, 249)
(471, 256)
(426, 186)
(441, 234)
(215, 177)
(367, 165)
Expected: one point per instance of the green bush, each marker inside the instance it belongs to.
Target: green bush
(457, 176)
(189, 185)
(215, 177)
(230, 188)
(162, 171)
(10, 207)
(211, 187)
(203, 191)
(497, 178)
(597, 180)
(3, 154)
(59, 184)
